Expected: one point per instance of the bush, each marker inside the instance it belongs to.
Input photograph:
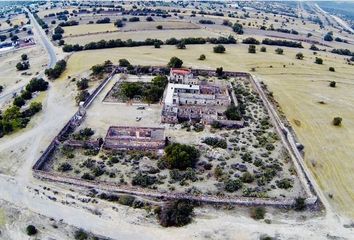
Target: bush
(215, 142)
(204, 21)
(104, 20)
(119, 23)
(180, 156)
(37, 84)
(300, 56)
(314, 48)
(143, 180)
(332, 84)
(80, 235)
(237, 28)
(331, 69)
(219, 49)
(300, 204)
(337, 121)
(250, 40)
(175, 62)
(126, 200)
(279, 51)
(149, 19)
(233, 185)
(26, 95)
(124, 62)
(285, 183)
(64, 167)
(258, 213)
(177, 213)
(284, 43)
(319, 60)
(58, 69)
(157, 44)
(22, 66)
(24, 57)
(233, 113)
(160, 27)
(134, 19)
(247, 177)
(202, 57)
(82, 96)
(252, 49)
(31, 230)
(19, 101)
(82, 84)
(328, 37)
(263, 49)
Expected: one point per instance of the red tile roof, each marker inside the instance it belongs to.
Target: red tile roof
(181, 71)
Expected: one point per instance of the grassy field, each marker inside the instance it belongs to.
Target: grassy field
(142, 35)
(298, 87)
(89, 28)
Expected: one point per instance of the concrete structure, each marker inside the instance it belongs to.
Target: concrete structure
(134, 138)
(189, 99)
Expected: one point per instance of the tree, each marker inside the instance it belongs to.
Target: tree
(19, 101)
(314, 48)
(24, 57)
(219, 49)
(149, 19)
(300, 204)
(31, 230)
(177, 213)
(159, 27)
(1, 88)
(247, 177)
(82, 96)
(233, 113)
(219, 71)
(331, 69)
(300, 56)
(318, 60)
(58, 69)
(157, 44)
(119, 23)
(263, 49)
(337, 121)
(328, 37)
(252, 49)
(124, 62)
(237, 28)
(202, 57)
(332, 84)
(279, 51)
(181, 45)
(22, 66)
(180, 156)
(175, 62)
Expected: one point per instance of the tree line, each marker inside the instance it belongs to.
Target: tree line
(148, 42)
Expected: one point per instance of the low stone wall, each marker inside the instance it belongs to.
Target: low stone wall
(136, 191)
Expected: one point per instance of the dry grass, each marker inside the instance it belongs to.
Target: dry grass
(298, 87)
(88, 28)
(142, 35)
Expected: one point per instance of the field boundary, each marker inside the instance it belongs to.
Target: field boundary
(311, 195)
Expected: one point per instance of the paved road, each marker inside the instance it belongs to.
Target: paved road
(44, 39)
(48, 46)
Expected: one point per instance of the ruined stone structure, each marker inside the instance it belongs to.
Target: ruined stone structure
(189, 99)
(134, 138)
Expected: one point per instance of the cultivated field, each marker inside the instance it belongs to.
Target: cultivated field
(297, 87)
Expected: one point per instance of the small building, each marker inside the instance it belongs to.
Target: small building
(182, 76)
(134, 138)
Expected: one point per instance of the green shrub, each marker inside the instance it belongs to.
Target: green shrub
(332, 84)
(31, 230)
(258, 213)
(219, 49)
(126, 200)
(232, 185)
(80, 235)
(337, 121)
(180, 156)
(215, 142)
(177, 213)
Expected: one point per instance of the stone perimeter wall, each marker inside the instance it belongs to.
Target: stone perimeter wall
(311, 195)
